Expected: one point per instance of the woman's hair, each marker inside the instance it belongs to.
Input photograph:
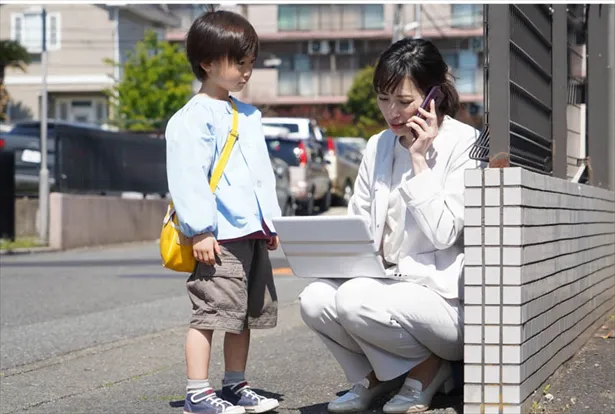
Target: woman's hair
(218, 35)
(421, 62)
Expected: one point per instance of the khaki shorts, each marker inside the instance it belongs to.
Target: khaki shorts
(236, 293)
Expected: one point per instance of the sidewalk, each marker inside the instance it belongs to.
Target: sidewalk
(147, 375)
(586, 383)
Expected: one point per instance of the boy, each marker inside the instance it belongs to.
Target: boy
(231, 288)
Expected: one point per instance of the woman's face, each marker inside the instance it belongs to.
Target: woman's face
(400, 105)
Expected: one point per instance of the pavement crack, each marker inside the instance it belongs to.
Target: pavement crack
(91, 389)
(83, 353)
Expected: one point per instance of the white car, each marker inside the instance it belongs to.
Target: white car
(298, 128)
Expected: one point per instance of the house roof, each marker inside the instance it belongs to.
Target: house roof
(154, 12)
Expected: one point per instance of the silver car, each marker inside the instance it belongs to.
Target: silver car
(309, 179)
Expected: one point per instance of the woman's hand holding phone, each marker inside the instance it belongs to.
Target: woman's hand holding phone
(425, 129)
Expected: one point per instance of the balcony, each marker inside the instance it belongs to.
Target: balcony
(323, 87)
(330, 17)
(466, 16)
(330, 85)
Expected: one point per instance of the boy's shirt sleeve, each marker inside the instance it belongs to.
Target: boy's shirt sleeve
(190, 154)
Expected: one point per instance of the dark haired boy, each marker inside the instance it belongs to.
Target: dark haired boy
(231, 288)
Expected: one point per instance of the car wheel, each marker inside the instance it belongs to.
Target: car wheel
(309, 208)
(325, 203)
(306, 208)
(289, 208)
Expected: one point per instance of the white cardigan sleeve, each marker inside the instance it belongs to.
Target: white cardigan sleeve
(438, 204)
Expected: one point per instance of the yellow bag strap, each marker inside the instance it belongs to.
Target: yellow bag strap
(226, 151)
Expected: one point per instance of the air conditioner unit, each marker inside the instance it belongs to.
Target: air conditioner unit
(344, 46)
(318, 47)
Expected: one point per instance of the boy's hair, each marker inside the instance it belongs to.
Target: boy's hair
(218, 35)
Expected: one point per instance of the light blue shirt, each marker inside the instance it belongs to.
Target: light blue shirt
(246, 194)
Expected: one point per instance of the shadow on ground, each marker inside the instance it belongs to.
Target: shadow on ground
(441, 404)
(267, 394)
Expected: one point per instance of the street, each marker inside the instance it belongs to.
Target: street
(102, 330)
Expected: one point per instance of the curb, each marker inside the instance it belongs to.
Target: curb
(48, 249)
(27, 250)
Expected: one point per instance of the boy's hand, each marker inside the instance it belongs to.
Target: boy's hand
(272, 243)
(205, 247)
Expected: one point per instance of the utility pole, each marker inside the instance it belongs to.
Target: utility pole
(417, 20)
(397, 22)
(43, 183)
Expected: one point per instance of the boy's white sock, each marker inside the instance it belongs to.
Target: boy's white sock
(196, 385)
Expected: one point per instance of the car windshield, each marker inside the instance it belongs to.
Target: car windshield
(292, 128)
(283, 149)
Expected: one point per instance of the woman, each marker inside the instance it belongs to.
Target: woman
(410, 188)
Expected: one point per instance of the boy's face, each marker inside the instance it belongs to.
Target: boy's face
(230, 75)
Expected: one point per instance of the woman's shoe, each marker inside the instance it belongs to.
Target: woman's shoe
(412, 400)
(360, 397)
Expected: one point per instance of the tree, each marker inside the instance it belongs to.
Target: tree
(12, 55)
(156, 82)
(362, 103)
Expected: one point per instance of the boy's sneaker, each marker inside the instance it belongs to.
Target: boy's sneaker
(205, 401)
(242, 395)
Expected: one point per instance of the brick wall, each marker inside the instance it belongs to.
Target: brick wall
(539, 277)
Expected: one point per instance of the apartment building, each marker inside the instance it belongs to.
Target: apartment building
(310, 53)
(80, 37)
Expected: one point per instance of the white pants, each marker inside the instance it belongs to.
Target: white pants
(382, 325)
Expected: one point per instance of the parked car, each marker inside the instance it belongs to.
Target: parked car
(298, 128)
(309, 179)
(343, 161)
(286, 200)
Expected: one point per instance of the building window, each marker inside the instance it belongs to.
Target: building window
(372, 16)
(82, 110)
(295, 76)
(62, 111)
(330, 17)
(27, 29)
(466, 80)
(464, 65)
(295, 18)
(466, 15)
(451, 59)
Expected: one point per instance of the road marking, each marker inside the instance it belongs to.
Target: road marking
(283, 271)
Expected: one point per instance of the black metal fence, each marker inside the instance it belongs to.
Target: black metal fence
(98, 161)
(7, 195)
(528, 85)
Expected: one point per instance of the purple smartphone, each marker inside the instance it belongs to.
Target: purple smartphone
(434, 93)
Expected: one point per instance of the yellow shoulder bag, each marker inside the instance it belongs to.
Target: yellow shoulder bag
(175, 247)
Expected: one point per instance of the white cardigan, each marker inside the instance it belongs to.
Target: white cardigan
(432, 250)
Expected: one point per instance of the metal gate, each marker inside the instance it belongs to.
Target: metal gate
(528, 85)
